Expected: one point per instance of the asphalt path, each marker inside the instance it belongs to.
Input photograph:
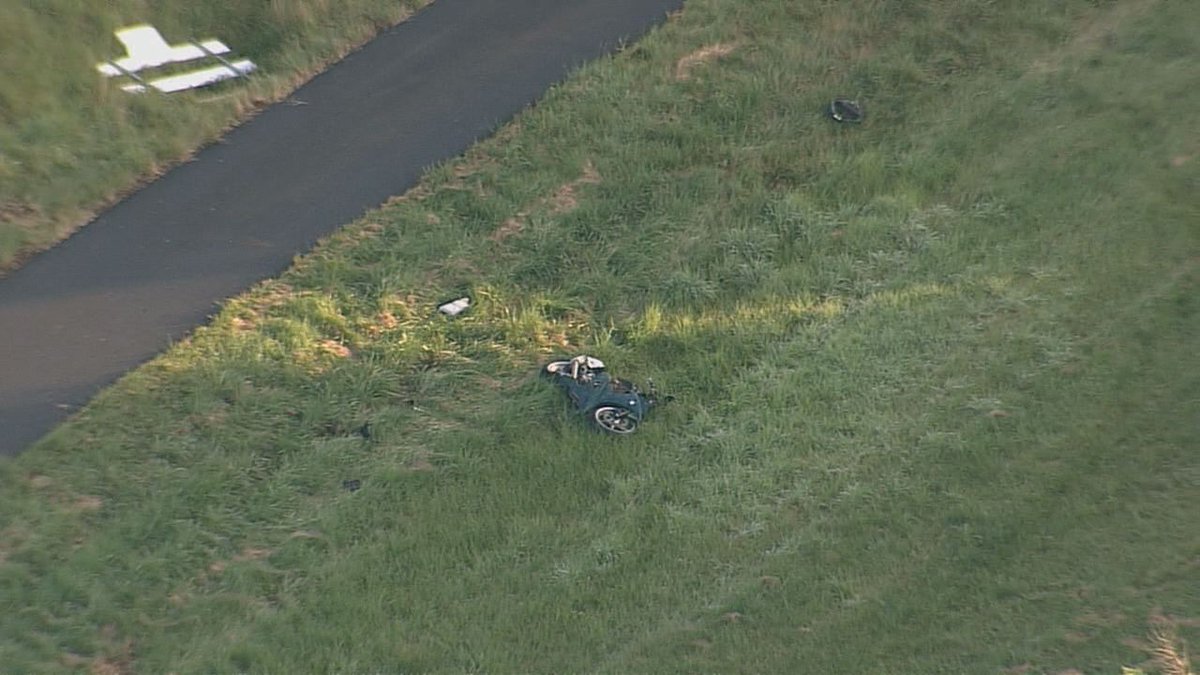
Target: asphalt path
(156, 265)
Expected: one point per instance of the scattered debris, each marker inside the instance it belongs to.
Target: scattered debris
(846, 111)
(352, 485)
(146, 49)
(455, 307)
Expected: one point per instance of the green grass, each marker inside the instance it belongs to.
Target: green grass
(936, 382)
(72, 142)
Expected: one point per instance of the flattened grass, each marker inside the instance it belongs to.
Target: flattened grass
(935, 375)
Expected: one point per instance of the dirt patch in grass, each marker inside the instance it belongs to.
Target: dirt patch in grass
(683, 66)
(510, 227)
(253, 553)
(335, 348)
(19, 213)
(383, 322)
(11, 539)
(1092, 35)
(118, 657)
(477, 159)
(421, 461)
(563, 200)
(1100, 618)
(110, 666)
(247, 554)
(87, 504)
(257, 305)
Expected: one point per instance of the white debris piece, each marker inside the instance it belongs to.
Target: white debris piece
(454, 307)
(145, 49)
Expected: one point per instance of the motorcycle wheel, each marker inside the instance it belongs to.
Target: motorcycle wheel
(613, 419)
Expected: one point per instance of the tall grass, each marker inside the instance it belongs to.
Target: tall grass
(71, 141)
(934, 376)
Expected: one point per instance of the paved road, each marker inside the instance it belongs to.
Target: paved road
(153, 267)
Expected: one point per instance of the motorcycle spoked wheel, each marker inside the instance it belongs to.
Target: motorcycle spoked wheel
(613, 419)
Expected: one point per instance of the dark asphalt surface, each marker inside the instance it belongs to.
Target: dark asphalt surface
(149, 270)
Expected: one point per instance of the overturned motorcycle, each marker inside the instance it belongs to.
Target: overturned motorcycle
(614, 406)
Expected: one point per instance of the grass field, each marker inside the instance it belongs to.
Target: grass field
(71, 142)
(936, 378)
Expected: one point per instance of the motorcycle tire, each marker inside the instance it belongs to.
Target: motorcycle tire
(613, 419)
